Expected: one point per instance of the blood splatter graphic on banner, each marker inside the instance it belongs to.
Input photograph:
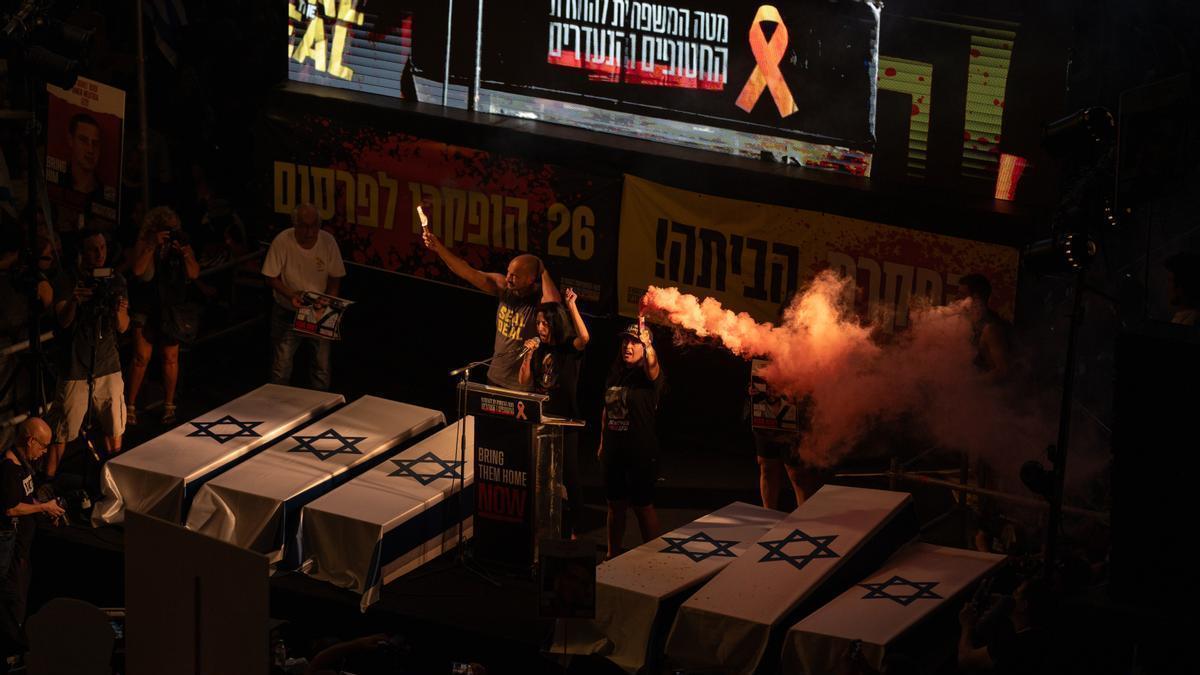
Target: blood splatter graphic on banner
(367, 181)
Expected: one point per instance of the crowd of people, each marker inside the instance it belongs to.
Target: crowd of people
(100, 294)
(103, 298)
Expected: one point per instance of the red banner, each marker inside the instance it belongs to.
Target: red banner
(366, 183)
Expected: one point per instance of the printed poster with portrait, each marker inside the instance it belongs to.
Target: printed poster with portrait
(769, 410)
(84, 139)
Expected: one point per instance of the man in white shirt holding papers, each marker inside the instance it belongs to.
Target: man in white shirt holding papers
(302, 258)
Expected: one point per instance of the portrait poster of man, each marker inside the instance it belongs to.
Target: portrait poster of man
(84, 129)
(321, 315)
(768, 409)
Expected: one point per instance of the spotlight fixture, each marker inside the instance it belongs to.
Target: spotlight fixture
(1079, 133)
(51, 67)
(1068, 251)
(52, 48)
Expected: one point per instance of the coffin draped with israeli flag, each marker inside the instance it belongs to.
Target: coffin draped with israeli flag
(734, 622)
(638, 592)
(881, 608)
(395, 517)
(256, 505)
(160, 476)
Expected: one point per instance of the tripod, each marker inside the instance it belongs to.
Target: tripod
(97, 314)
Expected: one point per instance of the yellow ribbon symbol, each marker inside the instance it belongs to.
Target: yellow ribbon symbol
(766, 73)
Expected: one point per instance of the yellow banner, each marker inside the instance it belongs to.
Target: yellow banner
(750, 256)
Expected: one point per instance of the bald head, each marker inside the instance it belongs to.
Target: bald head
(33, 437)
(306, 222)
(523, 272)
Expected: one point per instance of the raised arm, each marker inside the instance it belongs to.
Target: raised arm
(581, 331)
(549, 290)
(191, 266)
(143, 251)
(488, 282)
(651, 362)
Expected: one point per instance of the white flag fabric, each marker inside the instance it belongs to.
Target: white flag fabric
(632, 588)
(254, 504)
(395, 517)
(158, 476)
(727, 624)
(909, 587)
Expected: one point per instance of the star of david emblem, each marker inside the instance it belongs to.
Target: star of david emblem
(207, 429)
(445, 468)
(820, 549)
(719, 548)
(921, 589)
(348, 444)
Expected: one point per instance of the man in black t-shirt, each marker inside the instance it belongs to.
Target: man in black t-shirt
(17, 526)
(91, 311)
(524, 286)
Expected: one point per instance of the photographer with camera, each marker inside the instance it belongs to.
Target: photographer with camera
(92, 307)
(1008, 634)
(17, 527)
(162, 266)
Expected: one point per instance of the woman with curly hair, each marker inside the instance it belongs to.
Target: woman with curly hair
(163, 264)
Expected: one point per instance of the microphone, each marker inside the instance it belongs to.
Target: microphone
(536, 342)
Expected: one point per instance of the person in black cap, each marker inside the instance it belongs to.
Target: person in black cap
(628, 442)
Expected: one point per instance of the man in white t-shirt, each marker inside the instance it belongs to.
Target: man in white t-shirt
(303, 258)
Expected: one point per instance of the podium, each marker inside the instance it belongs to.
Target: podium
(518, 475)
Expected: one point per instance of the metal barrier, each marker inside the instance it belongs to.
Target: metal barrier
(12, 351)
(19, 347)
(900, 473)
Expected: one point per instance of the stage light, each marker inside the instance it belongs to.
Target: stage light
(1069, 251)
(52, 48)
(53, 68)
(1078, 133)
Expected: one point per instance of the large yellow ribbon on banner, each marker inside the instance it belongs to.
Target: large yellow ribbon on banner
(768, 54)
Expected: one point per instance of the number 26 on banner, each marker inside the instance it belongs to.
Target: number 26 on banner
(579, 224)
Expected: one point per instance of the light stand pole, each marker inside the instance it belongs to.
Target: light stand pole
(1058, 451)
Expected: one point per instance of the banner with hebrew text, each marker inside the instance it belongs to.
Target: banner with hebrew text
(790, 80)
(367, 181)
(751, 256)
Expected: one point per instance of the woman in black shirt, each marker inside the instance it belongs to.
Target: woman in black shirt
(628, 441)
(551, 366)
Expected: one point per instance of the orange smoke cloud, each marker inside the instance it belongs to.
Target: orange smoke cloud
(926, 375)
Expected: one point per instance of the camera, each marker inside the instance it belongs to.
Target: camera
(178, 236)
(101, 283)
